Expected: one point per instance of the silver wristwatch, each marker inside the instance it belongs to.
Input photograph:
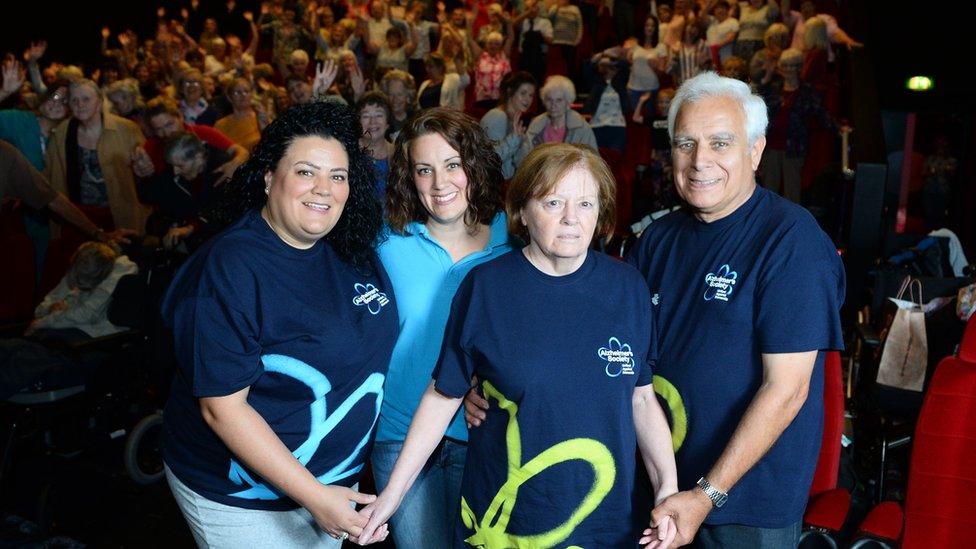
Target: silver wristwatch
(717, 496)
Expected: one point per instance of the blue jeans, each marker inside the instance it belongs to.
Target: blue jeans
(733, 536)
(428, 514)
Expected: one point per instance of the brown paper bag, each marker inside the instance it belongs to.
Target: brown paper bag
(905, 355)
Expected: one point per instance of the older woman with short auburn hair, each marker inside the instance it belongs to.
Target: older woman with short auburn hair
(444, 209)
(537, 328)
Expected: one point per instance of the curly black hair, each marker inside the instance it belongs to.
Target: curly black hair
(355, 235)
(480, 163)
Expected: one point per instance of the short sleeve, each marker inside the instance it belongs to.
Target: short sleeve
(455, 367)
(648, 325)
(799, 293)
(215, 333)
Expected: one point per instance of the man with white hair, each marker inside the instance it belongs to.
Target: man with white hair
(747, 290)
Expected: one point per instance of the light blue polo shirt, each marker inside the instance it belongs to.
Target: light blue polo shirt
(424, 279)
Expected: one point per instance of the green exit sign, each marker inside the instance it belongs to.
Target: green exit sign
(919, 83)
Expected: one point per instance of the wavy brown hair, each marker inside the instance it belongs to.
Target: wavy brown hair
(480, 163)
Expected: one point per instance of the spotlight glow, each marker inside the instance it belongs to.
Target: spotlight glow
(919, 83)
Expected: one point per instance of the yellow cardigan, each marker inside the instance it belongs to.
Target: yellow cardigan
(119, 138)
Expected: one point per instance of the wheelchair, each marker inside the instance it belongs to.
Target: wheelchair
(108, 402)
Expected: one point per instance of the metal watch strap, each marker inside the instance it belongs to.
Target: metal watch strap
(717, 496)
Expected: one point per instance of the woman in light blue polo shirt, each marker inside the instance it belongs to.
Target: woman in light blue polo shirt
(445, 215)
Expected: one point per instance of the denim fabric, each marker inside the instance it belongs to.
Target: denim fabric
(428, 514)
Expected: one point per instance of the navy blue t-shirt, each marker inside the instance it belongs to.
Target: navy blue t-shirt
(558, 359)
(764, 279)
(308, 333)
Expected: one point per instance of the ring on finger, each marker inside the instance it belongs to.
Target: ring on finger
(344, 536)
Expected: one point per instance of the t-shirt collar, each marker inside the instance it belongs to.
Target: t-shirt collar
(758, 194)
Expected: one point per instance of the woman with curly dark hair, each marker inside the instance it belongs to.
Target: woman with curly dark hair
(283, 327)
(444, 209)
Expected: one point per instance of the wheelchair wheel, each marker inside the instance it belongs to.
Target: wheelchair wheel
(143, 456)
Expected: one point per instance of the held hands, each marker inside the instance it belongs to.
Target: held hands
(379, 513)
(686, 510)
(333, 513)
(660, 535)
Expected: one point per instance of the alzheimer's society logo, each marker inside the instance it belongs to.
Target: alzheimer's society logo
(370, 297)
(719, 285)
(619, 357)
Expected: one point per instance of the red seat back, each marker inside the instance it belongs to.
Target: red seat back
(17, 278)
(18, 272)
(828, 463)
(940, 510)
(624, 198)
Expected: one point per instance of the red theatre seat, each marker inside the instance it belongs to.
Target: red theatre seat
(828, 506)
(940, 510)
(939, 507)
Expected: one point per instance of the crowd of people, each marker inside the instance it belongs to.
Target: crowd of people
(387, 205)
(223, 74)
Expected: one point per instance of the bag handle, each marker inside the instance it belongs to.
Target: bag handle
(916, 284)
(911, 285)
(904, 286)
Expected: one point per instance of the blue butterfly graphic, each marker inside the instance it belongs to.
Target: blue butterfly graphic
(322, 423)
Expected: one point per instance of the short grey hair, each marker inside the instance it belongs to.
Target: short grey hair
(90, 265)
(559, 83)
(710, 84)
(183, 146)
(86, 83)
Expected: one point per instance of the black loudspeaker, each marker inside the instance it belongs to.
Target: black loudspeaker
(866, 229)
